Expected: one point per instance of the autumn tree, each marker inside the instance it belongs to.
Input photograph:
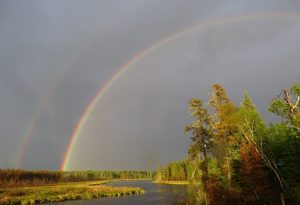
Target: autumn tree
(224, 127)
(256, 186)
(242, 160)
(223, 120)
(254, 132)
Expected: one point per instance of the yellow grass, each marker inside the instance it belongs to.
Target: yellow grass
(173, 182)
(63, 192)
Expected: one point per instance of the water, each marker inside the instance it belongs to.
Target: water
(163, 194)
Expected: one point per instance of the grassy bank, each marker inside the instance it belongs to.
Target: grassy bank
(172, 182)
(63, 192)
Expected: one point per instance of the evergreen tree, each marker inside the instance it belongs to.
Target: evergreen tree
(201, 138)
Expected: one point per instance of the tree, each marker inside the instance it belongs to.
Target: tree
(249, 118)
(235, 141)
(252, 131)
(287, 105)
(200, 130)
(224, 126)
(223, 121)
(201, 137)
(256, 187)
(283, 148)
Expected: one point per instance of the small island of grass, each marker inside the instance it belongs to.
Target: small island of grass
(63, 192)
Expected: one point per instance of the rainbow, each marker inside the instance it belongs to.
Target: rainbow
(54, 84)
(36, 115)
(139, 56)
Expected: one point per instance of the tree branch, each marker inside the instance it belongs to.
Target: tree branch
(271, 165)
(297, 102)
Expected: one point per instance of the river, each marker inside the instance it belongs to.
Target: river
(155, 194)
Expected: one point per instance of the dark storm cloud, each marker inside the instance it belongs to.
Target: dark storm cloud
(74, 47)
(147, 105)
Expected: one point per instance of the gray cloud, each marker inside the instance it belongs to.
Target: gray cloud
(68, 50)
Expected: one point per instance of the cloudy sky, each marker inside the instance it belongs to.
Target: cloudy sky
(55, 56)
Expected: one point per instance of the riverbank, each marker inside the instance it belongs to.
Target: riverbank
(63, 192)
(172, 182)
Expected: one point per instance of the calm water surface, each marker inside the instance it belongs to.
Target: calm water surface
(155, 194)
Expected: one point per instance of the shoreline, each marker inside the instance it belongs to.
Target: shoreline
(172, 182)
(64, 192)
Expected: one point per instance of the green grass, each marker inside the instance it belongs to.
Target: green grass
(63, 192)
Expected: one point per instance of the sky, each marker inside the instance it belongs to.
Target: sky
(139, 62)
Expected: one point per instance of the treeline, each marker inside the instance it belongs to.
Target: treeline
(242, 160)
(184, 170)
(105, 175)
(18, 177)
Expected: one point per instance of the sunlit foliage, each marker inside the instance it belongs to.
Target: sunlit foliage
(63, 192)
(17, 177)
(241, 160)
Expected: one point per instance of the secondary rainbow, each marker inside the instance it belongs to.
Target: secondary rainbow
(204, 25)
(54, 84)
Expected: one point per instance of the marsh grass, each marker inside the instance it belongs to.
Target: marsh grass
(63, 192)
(172, 182)
(18, 177)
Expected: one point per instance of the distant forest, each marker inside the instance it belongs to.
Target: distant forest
(235, 157)
(18, 177)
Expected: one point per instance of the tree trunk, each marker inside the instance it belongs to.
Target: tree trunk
(228, 171)
(281, 195)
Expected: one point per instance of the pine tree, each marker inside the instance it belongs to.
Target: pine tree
(201, 138)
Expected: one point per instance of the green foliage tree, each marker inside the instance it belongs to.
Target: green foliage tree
(284, 150)
(287, 105)
(250, 118)
(254, 132)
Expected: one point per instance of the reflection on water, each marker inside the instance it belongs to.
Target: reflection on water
(155, 194)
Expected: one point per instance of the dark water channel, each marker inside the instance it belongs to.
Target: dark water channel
(155, 194)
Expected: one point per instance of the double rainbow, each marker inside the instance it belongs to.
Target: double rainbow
(129, 64)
